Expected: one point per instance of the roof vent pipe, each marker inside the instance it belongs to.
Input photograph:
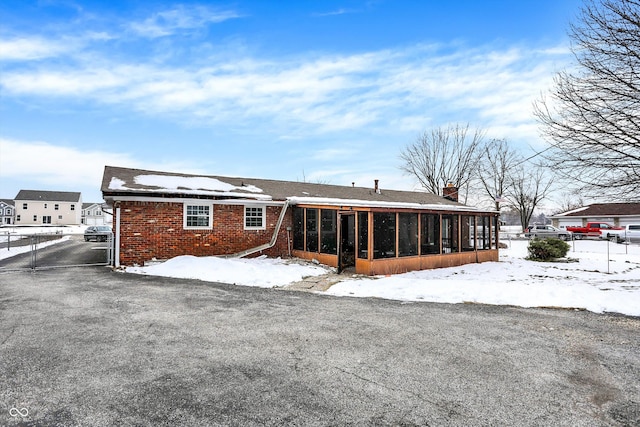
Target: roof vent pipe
(375, 186)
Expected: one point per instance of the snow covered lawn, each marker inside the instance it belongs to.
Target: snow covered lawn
(589, 283)
(584, 284)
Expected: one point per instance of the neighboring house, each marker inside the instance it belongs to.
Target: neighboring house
(618, 214)
(160, 215)
(34, 207)
(7, 212)
(96, 214)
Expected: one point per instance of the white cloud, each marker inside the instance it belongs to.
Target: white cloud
(87, 82)
(333, 153)
(46, 163)
(341, 11)
(32, 48)
(317, 94)
(180, 18)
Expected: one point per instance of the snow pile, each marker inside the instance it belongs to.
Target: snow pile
(262, 272)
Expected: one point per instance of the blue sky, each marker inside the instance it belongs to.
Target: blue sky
(326, 91)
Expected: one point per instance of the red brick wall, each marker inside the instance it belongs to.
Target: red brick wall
(151, 230)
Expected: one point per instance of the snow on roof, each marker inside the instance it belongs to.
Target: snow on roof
(377, 204)
(123, 182)
(192, 183)
(574, 211)
(187, 185)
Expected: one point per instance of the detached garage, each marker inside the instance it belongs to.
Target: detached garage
(618, 214)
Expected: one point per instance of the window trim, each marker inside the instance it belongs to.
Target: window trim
(184, 216)
(263, 217)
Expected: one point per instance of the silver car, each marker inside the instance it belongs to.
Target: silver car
(546, 231)
(99, 233)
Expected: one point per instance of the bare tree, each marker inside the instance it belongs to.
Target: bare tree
(497, 159)
(592, 118)
(569, 202)
(444, 155)
(528, 187)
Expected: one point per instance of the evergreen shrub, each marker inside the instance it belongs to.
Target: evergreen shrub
(547, 249)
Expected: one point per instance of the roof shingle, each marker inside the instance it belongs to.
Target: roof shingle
(123, 181)
(48, 196)
(604, 210)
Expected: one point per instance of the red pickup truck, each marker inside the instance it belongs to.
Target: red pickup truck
(593, 229)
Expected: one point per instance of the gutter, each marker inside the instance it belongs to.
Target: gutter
(274, 237)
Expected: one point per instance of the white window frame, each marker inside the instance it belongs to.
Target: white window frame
(209, 226)
(263, 217)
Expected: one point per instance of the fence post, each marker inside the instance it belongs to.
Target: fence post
(34, 254)
(110, 249)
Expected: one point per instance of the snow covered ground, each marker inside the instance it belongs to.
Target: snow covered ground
(590, 283)
(594, 282)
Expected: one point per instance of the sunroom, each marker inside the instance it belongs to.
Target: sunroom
(378, 240)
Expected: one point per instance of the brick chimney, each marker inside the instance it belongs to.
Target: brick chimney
(450, 192)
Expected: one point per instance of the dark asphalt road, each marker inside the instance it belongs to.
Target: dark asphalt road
(91, 347)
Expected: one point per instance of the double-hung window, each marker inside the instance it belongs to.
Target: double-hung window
(198, 216)
(254, 218)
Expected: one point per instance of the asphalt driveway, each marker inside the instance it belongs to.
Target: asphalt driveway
(88, 346)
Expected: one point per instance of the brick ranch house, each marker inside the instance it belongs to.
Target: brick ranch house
(161, 215)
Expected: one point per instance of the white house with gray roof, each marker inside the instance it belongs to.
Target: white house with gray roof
(7, 212)
(37, 207)
(96, 214)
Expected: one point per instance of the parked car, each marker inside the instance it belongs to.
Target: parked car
(99, 233)
(601, 230)
(628, 233)
(543, 231)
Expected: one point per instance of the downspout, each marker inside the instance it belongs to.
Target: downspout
(274, 237)
(116, 242)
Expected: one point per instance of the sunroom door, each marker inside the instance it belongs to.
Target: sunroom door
(347, 241)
